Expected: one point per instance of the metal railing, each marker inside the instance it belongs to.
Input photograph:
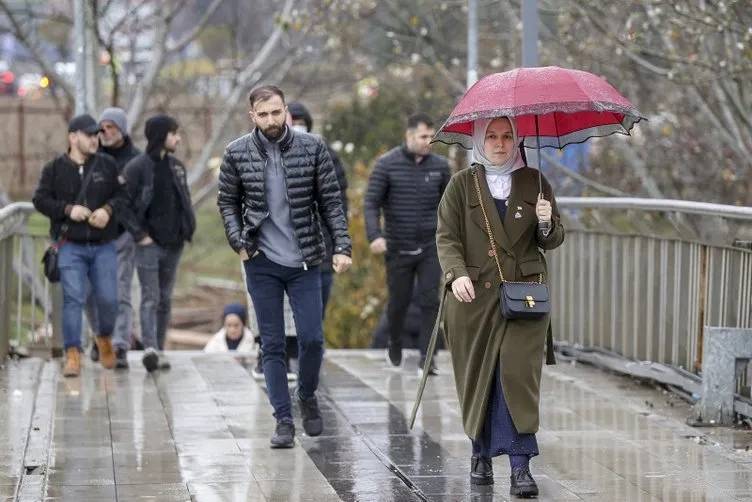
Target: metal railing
(642, 277)
(27, 315)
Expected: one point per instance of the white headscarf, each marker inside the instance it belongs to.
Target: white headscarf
(498, 176)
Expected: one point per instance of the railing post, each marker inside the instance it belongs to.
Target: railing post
(6, 272)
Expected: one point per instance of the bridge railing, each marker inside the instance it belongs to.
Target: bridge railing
(641, 278)
(27, 315)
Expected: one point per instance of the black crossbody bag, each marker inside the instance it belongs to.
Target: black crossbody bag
(518, 300)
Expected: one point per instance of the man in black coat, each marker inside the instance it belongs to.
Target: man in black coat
(82, 195)
(405, 187)
(115, 141)
(158, 186)
(277, 187)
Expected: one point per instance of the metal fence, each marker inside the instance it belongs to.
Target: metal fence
(27, 314)
(642, 277)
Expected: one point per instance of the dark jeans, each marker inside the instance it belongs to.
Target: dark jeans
(81, 265)
(157, 267)
(267, 282)
(402, 272)
(327, 277)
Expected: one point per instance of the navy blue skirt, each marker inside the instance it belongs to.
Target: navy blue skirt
(499, 435)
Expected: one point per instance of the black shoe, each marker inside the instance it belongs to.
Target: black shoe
(284, 435)
(312, 423)
(150, 360)
(394, 354)
(121, 358)
(522, 483)
(481, 470)
(94, 354)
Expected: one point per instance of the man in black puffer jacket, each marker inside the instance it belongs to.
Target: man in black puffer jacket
(158, 187)
(275, 184)
(406, 185)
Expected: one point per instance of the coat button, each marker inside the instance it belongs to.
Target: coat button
(448, 275)
(487, 285)
(490, 252)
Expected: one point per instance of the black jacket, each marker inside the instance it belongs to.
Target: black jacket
(122, 155)
(139, 177)
(59, 187)
(409, 195)
(312, 190)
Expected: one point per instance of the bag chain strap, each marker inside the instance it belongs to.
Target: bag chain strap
(488, 225)
(488, 229)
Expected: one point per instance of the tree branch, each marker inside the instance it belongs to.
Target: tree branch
(554, 162)
(246, 79)
(196, 31)
(31, 45)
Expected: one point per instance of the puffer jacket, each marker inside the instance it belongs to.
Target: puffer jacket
(312, 191)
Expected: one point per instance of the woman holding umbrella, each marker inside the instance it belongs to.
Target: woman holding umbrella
(497, 361)
(494, 220)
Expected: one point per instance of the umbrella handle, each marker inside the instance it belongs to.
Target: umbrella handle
(537, 154)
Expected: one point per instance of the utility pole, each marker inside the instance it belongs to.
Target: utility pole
(472, 42)
(79, 27)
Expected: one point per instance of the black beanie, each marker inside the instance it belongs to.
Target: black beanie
(156, 130)
(298, 111)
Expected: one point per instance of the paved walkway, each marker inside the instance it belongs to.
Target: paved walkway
(201, 431)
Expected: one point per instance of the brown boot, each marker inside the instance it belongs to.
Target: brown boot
(106, 354)
(72, 362)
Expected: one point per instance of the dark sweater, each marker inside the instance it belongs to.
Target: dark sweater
(408, 194)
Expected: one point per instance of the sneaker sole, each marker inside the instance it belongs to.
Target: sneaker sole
(481, 481)
(282, 446)
(519, 492)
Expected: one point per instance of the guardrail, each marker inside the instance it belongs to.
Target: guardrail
(642, 278)
(27, 315)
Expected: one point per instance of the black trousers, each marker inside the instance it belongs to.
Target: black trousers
(403, 272)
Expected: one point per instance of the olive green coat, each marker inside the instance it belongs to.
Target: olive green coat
(476, 334)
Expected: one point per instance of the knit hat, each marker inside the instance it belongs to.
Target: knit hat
(116, 116)
(156, 130)
(237, 309)
(299, 112)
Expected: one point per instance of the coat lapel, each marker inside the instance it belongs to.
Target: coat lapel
(521, 210)
(500, 235)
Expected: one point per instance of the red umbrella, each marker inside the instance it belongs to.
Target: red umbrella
(558, 105)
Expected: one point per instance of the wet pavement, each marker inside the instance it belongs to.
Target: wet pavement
(201, 430)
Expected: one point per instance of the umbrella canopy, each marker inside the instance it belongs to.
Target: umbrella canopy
(557, 105)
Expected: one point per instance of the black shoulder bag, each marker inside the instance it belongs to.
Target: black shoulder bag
(518, 300)
(51, 256)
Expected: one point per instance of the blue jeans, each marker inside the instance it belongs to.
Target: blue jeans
(157, 267)
(267, 282)
(81, 264)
